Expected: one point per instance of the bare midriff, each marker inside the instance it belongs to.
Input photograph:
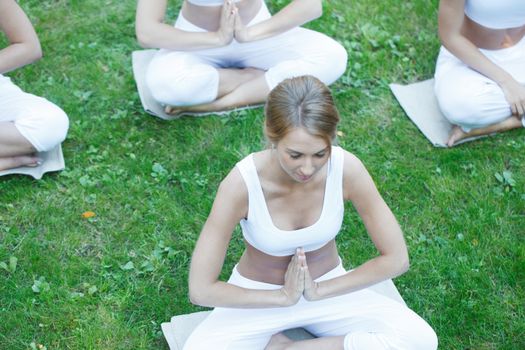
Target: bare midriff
(208, 17)
(491, 39)
(262, 267)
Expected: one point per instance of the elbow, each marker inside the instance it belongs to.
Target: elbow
(144, 39)
(198, 296)
(37, 53)
(403, 264)
(33, 52)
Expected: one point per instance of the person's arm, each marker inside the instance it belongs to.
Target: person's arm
(450, 22)
(229, 207)
(296, 13)
(24, 47)
(382, 228)
(152, 32)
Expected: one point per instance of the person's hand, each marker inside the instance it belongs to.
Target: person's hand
(515, 96)
(241, 32)
(311, 288)
(294, 280)
(227, 22)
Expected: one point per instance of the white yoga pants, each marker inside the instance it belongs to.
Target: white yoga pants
(41, 122)
(367, 319)
(470, 99)
(189, 78)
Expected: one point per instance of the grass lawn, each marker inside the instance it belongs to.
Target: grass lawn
(108, 282)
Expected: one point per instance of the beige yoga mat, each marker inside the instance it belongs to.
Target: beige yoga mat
(140, 60)
(51, 161)
(420, 105)
(180, 327)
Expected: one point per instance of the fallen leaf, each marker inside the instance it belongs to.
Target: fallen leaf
(88, 214)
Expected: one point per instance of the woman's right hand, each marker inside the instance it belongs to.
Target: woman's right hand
(294, 280)
(227, 23)
(515, 96)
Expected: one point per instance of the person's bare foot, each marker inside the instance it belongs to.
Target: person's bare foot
(173, 111)
(19, 161)
(455, 135)
(278, 341)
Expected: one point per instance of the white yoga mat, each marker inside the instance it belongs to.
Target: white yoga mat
(180, 327)
(420, 105)
(51, 161)
(140, 60)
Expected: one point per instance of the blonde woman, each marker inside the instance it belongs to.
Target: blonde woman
(289, 200)
(225, 54)
(480, 72)
(28, 123)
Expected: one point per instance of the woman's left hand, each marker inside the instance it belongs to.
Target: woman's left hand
(241, 32)
(311, 288)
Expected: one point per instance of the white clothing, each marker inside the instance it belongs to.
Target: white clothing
(258, 228)
(209, 2)
(40, 121)
(182, 78)
(367, 319)
(470, 99)
(496, 14)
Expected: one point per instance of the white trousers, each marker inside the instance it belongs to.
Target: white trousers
(368, 320)
(189, 78)
(470, 99)
(41, 122)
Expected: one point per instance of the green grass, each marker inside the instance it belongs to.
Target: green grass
(151, 184)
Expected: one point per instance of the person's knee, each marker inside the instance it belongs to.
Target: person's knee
(424, 338)
(338, 61)
(56, 127)
(459, 104)
(44, 124)
(183, 85)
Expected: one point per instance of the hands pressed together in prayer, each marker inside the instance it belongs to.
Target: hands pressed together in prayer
(298, 281)
(231, 25)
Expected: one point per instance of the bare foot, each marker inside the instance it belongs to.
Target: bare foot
(278, 341)
(455, 135)
(18, 161)
(174, 111)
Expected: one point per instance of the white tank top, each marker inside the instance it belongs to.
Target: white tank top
(496, 14)
(209, 2)
(258, 229)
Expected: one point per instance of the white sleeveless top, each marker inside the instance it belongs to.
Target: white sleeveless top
(209, 2)
(258, 229)
(496, 14)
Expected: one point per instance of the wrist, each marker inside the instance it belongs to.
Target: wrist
(280, 298)
(505, 79)
(220, 39)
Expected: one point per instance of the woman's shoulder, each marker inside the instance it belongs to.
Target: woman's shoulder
(354, 171)
(350, 160)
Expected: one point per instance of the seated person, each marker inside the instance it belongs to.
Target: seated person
(225, 54)
(28, 123)
(480, 71)
(289, 200)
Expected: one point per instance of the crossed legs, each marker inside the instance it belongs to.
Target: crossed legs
(15, 149)
(237, 87)
(472, 102)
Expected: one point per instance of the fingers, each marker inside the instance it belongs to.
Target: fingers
(518, 108)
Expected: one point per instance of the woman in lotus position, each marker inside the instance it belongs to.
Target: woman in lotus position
(480, 72)
(289, 200)
(28, 123)
(226, 54)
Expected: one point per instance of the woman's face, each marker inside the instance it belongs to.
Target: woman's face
(301, 155)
